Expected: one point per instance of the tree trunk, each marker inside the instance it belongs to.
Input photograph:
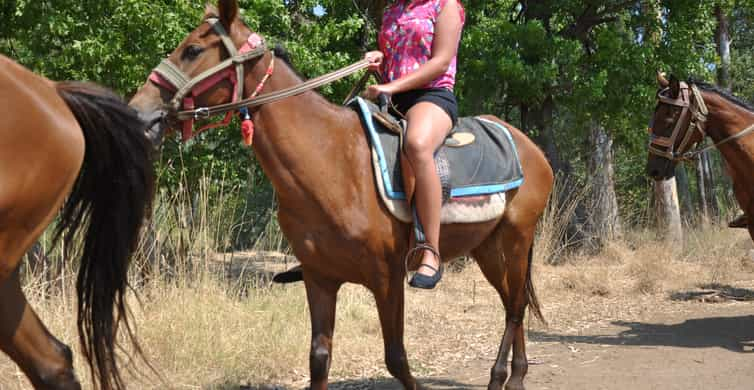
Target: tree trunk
(373, 9)
(684, 192)
(701, 187)
(709, 181)
(604, 222)
(537, 121)
(667, 210)
(723, 40)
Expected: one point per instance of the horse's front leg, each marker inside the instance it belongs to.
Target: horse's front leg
(321, 294)
(390, 302)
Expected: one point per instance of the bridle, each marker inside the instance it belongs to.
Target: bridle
(186, 89)
(694, 111)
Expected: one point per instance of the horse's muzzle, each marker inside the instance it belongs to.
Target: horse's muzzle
(155, 124)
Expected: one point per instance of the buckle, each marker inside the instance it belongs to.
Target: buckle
(201, 113)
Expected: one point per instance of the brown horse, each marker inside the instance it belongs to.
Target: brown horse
(688, 112)
(77, 142)
(317, 156)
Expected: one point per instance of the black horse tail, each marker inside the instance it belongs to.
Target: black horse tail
(110, 200)
(531, 296)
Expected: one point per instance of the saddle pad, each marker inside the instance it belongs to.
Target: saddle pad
(480, 173)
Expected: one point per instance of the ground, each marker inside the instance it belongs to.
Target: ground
(635, 315)
(700, 343)
(691, 347)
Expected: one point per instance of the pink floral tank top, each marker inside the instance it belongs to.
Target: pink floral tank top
(408, 29)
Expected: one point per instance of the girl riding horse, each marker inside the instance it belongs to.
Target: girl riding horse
(418, 46)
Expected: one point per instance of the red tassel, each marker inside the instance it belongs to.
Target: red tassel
(247, 130)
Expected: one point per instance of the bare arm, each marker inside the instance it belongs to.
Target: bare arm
(444, 48)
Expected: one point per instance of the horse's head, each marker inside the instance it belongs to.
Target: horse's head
(208, 68)
(676, 126)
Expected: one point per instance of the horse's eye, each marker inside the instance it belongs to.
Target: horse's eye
(192, 52)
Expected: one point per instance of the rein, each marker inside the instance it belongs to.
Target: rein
(186, 88)
(270, 97)
(692, 107)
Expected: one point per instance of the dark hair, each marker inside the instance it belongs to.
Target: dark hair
(723, 93)
(282, 53)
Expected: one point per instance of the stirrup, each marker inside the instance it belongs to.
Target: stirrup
(420, 280)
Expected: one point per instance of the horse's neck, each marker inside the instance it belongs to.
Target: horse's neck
(298, 140)
(727, 119)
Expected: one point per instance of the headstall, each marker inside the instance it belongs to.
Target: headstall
(693, 110)
(186, 89)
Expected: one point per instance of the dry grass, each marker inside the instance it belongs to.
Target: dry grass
(204, 329)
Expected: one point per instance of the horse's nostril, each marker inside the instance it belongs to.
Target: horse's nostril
(152, 118)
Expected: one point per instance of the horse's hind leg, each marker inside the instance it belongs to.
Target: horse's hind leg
(503, 259)
(46, 361)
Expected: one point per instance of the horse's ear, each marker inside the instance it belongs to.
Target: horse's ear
(675, 87)
(210, 11)
(662, 80)
(228, 12)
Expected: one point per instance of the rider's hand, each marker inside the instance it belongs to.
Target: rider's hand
(375, 90)
(375, 60)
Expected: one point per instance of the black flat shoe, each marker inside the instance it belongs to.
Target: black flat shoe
(426, 282)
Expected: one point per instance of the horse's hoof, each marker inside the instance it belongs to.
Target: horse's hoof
(514, 386)
(495, 385)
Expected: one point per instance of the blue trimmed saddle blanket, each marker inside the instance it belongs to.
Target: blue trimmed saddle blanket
(477, 175)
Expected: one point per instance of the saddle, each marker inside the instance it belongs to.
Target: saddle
(477, 164)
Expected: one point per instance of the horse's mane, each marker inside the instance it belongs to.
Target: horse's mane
(282, 53)
(722, 93)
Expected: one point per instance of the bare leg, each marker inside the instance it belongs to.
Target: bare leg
(428, 125)
(321, 295)
(46, 361)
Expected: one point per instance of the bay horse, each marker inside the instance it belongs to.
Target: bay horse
(686, 113)
(79, 147)
(317, 157)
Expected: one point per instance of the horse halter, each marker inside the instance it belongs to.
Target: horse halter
(693, 110)
(186, 88)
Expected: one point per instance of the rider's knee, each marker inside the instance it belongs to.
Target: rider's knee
(418, 150)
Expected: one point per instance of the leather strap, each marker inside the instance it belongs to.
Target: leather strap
(277, 95)
(695, 109)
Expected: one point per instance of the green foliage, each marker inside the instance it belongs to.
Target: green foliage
(595, 61)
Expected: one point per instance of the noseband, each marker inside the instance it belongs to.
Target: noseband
(186, 88)
(693, 110)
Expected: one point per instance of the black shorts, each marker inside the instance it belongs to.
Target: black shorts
(440, 97)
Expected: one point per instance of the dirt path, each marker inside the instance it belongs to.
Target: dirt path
(711, 350)
(702, 346)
